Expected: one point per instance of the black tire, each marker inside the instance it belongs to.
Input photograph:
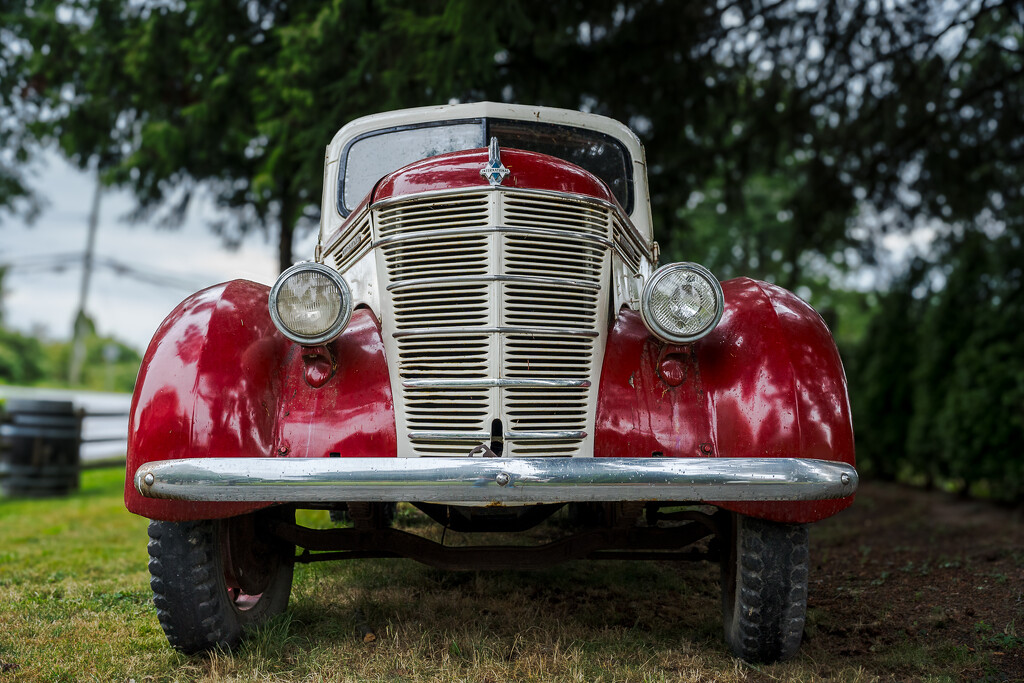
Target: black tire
(214, 579)
(764, 588)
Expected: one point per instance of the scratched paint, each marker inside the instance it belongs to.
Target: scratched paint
(213, 385)
(767, 382)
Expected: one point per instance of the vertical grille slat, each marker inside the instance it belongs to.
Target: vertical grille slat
(524, 269)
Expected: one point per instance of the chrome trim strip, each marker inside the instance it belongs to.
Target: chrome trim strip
(337, 250)
(334, 240)
(545, 436)
(508, 436)
(491, 382)
(645, 248)
(476, 480)
(462, 331)
(466, 279)
(353, 261)
(450, 436)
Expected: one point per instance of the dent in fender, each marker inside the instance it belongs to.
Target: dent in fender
(218, 379)
(768, 382)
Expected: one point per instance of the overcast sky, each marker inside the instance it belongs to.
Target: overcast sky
(40, 299)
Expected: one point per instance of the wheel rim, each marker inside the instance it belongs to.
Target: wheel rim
(243, 602)
(249, 561)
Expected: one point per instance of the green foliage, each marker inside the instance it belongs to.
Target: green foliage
(16, 143)
(969, 412)
(22, 359)
(879, 371)
(110, 365)
(940, 377)
(743, 240)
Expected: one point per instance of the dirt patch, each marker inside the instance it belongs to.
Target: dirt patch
(907, 574)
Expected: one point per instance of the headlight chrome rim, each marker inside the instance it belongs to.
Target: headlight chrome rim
(344, 315)
(650, 321)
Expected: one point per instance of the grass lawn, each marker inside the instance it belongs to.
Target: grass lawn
(75, 606)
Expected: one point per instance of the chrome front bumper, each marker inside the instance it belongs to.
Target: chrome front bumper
(495, 481)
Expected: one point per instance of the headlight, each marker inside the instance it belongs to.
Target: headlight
(310, 303)
(681, 302)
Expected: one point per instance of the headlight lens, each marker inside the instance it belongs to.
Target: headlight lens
(310, 303)
(682, 302)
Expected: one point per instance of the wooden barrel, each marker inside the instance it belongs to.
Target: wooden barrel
(39, 442)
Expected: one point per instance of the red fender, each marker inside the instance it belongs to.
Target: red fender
(767, 382)
(219, 380)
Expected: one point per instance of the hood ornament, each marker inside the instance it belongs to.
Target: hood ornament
(495, 172)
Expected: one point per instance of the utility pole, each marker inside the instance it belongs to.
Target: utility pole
(79, 327)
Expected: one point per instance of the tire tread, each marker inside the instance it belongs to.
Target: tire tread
(190, 617)
(765, 622)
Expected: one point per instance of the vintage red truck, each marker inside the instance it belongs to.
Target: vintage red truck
(485, 332)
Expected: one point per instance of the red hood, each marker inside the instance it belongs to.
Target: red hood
(462, 170)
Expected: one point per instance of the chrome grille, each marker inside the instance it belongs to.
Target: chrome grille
(351, 244)
(626, 244)
(417, 216)
(493, 311)
(556, 213)
(428, 307)
(436, 258)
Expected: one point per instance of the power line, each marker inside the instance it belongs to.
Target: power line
(151, 276)
(63, 262)
(36, 261)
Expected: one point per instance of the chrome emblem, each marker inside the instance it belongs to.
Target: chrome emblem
(495, 172)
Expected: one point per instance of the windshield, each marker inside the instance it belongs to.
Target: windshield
(370, 157)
